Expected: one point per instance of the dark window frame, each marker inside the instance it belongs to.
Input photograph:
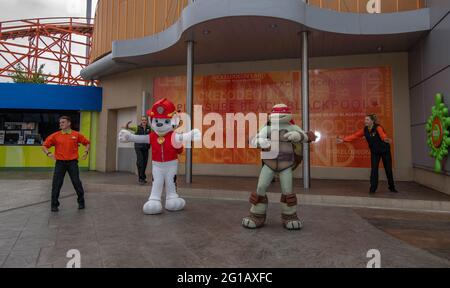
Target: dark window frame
(47, 121)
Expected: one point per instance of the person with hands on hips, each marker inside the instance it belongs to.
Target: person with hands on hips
(66, 156)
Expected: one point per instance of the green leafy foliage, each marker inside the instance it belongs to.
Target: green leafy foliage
(21, 76)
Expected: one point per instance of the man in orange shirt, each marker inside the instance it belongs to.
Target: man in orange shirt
(66, 142)
(380, 149)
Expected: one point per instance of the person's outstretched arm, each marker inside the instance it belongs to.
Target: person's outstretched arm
(350, 138)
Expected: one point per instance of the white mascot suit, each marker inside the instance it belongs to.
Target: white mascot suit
(166, 146)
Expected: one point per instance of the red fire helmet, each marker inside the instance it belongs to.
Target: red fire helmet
(162, 109)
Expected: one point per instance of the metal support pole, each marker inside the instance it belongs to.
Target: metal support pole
(88, 39)
(189, 105)
(88, 16)
(88, 9)
(305, 108)
(144, 104)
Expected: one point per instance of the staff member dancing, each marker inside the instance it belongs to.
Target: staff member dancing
(380, 148)
(140, 148)
(66, 156)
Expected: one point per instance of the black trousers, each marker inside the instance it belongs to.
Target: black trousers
(141, 162)
(387, 162)
(61, 167)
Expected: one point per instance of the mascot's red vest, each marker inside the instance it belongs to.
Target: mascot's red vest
(162, 148)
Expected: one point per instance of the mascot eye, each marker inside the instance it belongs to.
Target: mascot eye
(156, 120)
(167, 121)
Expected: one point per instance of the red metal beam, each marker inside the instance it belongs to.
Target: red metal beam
(49, 40)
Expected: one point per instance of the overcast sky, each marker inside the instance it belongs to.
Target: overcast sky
(26, 9)
(23, 9)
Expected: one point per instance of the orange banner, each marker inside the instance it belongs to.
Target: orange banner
(339, 101)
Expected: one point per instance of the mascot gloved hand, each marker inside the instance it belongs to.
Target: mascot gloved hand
(166, 146)
(281, 143)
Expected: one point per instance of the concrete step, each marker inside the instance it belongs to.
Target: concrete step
(304, 199)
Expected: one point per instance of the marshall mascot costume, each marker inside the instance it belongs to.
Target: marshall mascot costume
(166, 145)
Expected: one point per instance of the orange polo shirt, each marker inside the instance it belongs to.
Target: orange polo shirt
(66, 144)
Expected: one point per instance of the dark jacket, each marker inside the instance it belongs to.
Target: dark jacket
(376, 144)
(142, 131)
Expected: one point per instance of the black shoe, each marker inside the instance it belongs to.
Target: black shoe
(372, 190)
(55, 209)
(81, 206)
(393, 190)
(142, 182)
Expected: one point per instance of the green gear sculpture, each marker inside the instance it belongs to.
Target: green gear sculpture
(438, 132)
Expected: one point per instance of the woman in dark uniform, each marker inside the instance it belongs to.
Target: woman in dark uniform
(380, 148)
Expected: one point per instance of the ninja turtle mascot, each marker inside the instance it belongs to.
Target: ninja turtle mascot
(280, 141)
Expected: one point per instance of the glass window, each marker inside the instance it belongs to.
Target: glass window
(31, 127)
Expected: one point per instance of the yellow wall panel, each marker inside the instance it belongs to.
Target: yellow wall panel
(115, 26)
(350, 6)
(22, 156)
(139, 24)
(330, 4)
(109, 22)
(158, 16)
(122, 19)
(148, 25)
(408, 4)
(129, 19)
(389, 6)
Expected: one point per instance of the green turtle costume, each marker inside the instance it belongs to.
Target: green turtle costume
(281, 153)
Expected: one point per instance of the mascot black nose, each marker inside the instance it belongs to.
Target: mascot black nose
(159, 124)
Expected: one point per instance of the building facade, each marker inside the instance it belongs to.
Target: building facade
(247, 57)
(429, 72)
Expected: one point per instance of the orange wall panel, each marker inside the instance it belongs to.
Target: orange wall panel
(340, 100)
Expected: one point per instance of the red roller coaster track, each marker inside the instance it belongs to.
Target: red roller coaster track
(63, 42)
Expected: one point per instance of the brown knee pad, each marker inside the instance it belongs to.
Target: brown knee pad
(290, 199)
(256, 199)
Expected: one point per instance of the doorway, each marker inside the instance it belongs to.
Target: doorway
(125, 157)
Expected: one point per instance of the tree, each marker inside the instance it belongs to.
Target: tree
(21, 76)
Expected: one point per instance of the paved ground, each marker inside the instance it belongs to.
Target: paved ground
(429, 231)
(408, 190)
(20, 193)
(113, 232)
